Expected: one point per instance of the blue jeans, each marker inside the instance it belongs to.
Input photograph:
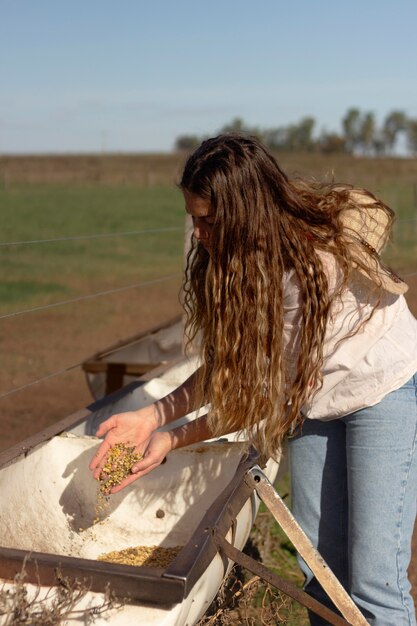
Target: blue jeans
(354, 491)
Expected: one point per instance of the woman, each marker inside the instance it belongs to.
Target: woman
(303, 333)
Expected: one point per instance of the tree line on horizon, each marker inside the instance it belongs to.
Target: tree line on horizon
(360, 135)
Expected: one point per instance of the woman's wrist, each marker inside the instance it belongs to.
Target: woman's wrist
(152, 414)
(158, 413)
(171, 437)
(192, 432)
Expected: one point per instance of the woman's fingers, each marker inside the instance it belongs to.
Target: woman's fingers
(106, 426)
(159, 446)
(153, 458)
(149, 459)
(99, 458)
(130, 479)
(154, 449)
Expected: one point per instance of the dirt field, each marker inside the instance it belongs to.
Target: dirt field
(64, 338)
(165, 168)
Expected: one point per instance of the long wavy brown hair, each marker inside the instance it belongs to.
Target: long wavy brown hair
(265, 226)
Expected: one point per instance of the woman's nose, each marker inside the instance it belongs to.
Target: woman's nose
(199, 230)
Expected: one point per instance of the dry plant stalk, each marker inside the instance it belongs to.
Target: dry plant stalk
(227, 599)
(19, 607)
(252, 603)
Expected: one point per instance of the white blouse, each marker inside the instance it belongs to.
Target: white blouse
(359, 370)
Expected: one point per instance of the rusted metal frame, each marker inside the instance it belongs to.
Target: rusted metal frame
(135, 583)
(195, 557)
(143, 584)
(276, 581)
(25, 446)
(256, 479)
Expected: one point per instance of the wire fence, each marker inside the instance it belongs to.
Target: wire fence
(129, 233)
(32, 383)
(100, 294)
(88, 297)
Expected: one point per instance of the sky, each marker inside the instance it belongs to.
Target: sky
(132, 75)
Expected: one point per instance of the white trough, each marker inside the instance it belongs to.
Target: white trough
(48, 495)
(122, 363)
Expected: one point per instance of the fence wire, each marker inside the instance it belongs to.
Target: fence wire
(101, 293)
(80, 363)
(129, 233)
(4, 244)
(40, 380)
(90, 296)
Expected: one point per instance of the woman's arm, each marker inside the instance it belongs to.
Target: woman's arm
(177, 403)
(135, 428)
(160, 443)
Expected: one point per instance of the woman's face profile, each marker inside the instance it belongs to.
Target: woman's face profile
(203, 217)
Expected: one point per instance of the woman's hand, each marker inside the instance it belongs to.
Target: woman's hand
(160, 443)
(133, 428)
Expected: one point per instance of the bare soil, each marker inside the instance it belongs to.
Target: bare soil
(154, 169)
(51, 341)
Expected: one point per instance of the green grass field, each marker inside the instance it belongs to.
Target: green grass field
(402, 253)
(37, 274)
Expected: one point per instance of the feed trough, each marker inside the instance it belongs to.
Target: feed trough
(49, 505)
(202, 502)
